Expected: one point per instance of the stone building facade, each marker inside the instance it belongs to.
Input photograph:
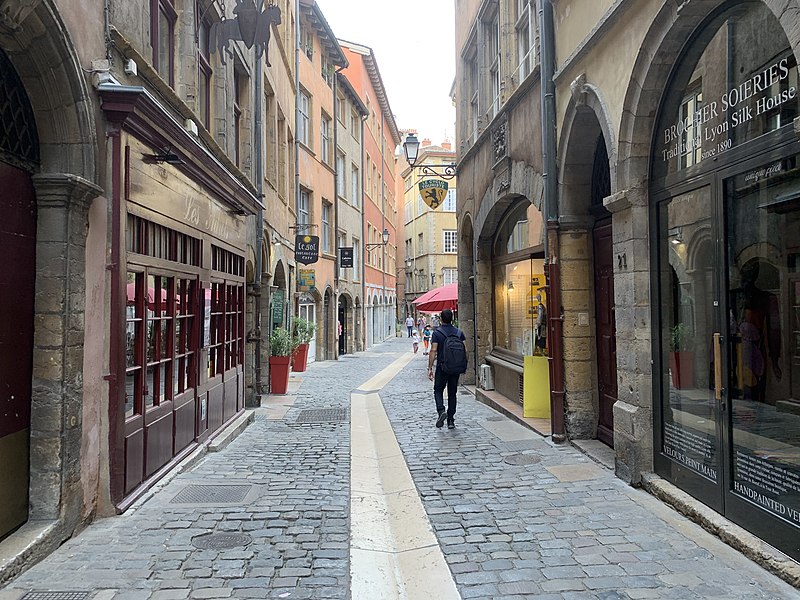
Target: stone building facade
(673, 235)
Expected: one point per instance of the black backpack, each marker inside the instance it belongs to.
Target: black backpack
(453, 356)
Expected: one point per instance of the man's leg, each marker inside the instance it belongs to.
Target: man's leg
(452, 390)
(439, 383)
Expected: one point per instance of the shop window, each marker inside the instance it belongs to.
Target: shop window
(737, 81)
(159, 345)
(150, 239)
(520, 320)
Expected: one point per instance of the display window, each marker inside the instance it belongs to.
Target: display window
(726, 198)
(520, 320)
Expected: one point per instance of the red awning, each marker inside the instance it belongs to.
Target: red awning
(438, 299)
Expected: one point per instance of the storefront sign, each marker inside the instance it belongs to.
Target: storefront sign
(306, 249)
(709, 127)
(433, 192)
(346, 257)
(306, 279)
(277, 307)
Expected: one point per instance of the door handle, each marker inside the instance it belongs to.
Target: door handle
(718, 366)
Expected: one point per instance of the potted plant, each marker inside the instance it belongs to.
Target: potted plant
(281, 346)
(681, 356)
(303, 333)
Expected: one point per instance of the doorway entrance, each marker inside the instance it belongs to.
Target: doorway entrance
(343, 324)
(730, 345)
(307, 310)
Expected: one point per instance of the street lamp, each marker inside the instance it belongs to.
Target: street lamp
(411, 150)
(384, 237)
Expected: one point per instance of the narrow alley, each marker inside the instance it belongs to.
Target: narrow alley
(277, 512)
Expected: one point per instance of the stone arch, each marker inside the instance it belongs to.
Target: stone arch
(652, 69)
(328, 329)
(586, 119)
(47, 63)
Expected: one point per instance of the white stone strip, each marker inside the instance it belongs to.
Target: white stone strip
(393, 550)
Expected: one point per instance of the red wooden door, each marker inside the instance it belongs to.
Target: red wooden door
(606, 330)
(17, 283)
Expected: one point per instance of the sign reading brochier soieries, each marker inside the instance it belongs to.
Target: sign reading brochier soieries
(708, 126)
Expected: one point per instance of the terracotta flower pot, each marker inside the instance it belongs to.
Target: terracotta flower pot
(279, 374)
(300, 358)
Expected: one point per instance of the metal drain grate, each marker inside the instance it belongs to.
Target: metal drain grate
(322, 415)
(522, 459)
(221, 541)
(211, 494)
(56, 596)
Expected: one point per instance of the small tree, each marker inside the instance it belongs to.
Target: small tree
(281, 342)
(681, 338)
(303, 330)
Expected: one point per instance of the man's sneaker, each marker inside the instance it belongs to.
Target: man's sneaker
(451, 424)
(440, 420)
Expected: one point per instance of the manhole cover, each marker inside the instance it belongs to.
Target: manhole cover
(211, 494)
(220, 541)
(322, 415)
(522, 459)
(56, 596)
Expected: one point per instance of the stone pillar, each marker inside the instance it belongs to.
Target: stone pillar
(466, 308)
(581, 402)
(56, 406)
(633, 412)
(483, 300)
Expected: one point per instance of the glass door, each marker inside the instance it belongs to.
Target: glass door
(688, 434)
(762, 208)
(307, 311)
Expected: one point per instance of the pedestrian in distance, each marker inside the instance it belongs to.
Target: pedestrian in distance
(449, 353)
(415, 341)
(409, 324)
(426, 339)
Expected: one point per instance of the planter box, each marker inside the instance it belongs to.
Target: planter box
(279, 374)
(300, 358)
(681, 366)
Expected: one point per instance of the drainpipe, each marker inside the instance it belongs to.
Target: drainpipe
(259, 176)
(336, 175)
(290, 313)
(554, 307)
(383, 224)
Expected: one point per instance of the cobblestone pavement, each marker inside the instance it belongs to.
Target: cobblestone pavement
(507, 531)
(561, 527)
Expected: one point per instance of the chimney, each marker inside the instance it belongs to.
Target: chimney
(426, 142)
(447, 145)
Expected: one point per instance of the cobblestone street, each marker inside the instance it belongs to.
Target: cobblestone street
(515, 516)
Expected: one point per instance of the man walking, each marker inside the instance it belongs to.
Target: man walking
(409, 324)
(447, 344)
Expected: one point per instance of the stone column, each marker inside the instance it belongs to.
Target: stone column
(633, 411)
(62, 221)
(483, 300)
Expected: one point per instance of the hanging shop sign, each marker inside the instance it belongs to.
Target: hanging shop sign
(346, 257)
(306, 249)
(306, 280)
(433, 192)
(251, 26)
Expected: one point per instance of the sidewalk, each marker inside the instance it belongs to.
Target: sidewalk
(515, 516)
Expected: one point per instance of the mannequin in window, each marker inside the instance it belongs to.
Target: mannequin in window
(756, 325)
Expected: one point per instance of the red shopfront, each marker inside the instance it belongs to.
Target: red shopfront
(178, 295)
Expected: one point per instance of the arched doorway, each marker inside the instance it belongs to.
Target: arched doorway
(278, 298)
(307, 309)
(19, 156)
(586, 249)
(344, 325)
(329, 325)
(358, 342)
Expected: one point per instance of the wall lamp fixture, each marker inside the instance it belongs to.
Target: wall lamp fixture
(384, 237)
(164, 156)
(411, 150)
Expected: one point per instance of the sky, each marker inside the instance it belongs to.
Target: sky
(418, 80)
